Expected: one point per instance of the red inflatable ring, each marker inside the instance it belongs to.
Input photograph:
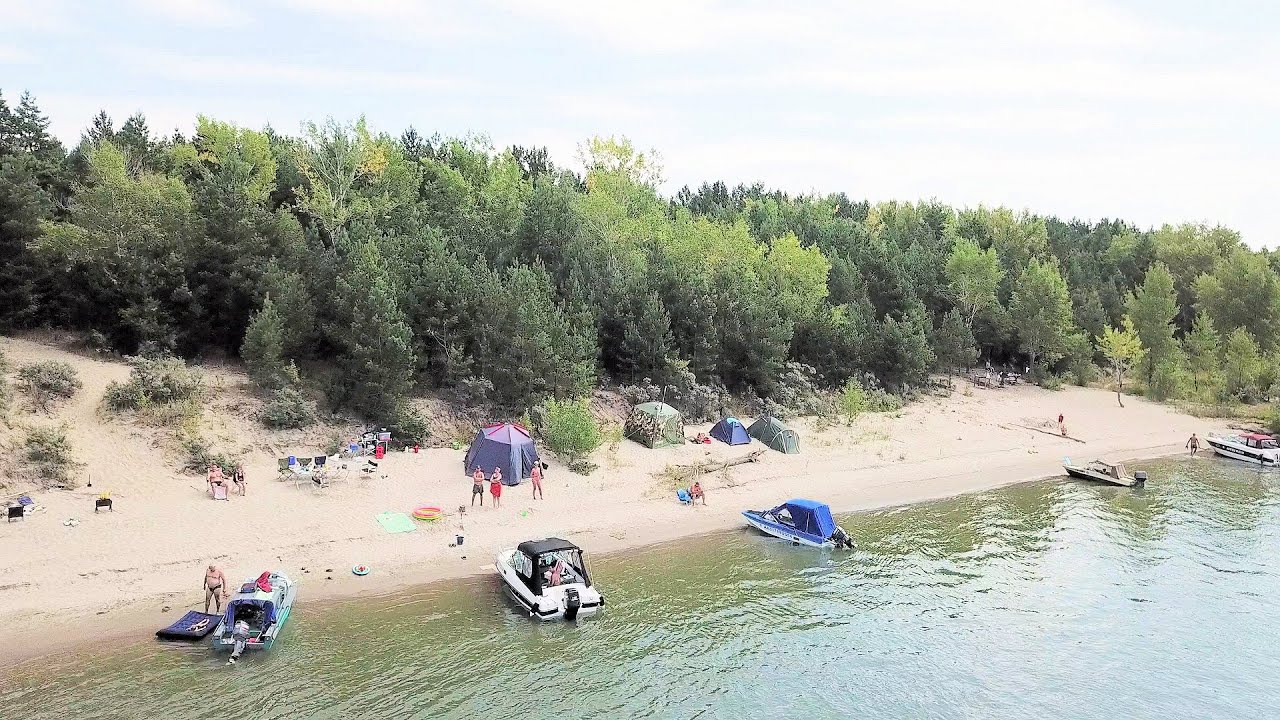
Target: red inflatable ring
(360, 569)
(427, 512)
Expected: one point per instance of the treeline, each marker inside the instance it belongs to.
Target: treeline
(375, 265)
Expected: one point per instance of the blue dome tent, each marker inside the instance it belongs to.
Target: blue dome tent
(730, 432)
(502, 445)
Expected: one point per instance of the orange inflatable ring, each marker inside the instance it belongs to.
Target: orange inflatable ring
(427, 512)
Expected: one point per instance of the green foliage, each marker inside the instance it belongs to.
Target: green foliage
(409, 427)
(1243, 292)
(852, 400)
(199, 456)
(263, 350)
(1153, 308)
(953, 343)
(569, 429)
(973, 276)
(288, 409)
(1273, 419)
(155, 382)
(1241, 365)
(47, 452)
(1122, 348)
(1041, 310)
(48, 382)
(1079, 358)
(1201, 347)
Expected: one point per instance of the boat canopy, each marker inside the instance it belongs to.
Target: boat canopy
(809, 516)
(266, 606)
(534, 548)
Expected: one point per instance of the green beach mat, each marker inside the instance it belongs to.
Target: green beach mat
(394, 522)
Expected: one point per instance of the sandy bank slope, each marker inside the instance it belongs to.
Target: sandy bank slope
(118, 570)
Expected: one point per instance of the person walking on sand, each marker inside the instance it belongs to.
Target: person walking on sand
(215, 587)
(495, 486)
(477, 487)
(1194, 444)
(536, 478)
(1062, 425)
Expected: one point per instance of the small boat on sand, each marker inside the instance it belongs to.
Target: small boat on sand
(804, 522)
(262, 605)
(1106, 472)
(1254, 448)
(549, 579)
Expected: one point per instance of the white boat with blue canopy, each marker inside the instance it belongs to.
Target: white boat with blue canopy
(804, 522)
(256, 614)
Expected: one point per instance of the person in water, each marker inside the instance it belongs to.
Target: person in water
(495, 486)
(536, 478)
(1193, 444)
(477, 487)
(215, 587)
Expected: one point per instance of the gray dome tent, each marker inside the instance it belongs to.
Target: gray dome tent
(772, 432)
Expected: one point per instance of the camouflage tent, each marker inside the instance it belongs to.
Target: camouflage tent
(655, 424)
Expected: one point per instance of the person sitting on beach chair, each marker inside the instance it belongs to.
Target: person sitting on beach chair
(217, 483)
(696, 493)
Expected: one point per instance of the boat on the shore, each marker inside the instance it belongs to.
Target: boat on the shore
(263, 604)
(1253, 448)
(549, 579)
(805, 522)
(1100, 471)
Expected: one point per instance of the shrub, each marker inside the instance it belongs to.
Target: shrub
(1273, 419)
(288, 409)
(48, 382)
(410, 427)
(200, 456)
(569, 429)
(852, 400)
(797, 390)
(1051, 381)
(155, 381)
(697, 402)
(48, 451)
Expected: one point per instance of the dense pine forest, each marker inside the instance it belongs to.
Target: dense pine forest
(362, 268)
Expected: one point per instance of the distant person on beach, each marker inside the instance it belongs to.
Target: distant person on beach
(1194, 444)
(495, 487)
(536, 478)
(696, 493)
(215, 587)
(477, 487)
(1062, 425)
(237, 478)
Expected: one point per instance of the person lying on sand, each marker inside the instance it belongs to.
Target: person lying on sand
(215, 587)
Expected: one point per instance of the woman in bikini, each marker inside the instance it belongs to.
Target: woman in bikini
(237, 478)
(536, 478)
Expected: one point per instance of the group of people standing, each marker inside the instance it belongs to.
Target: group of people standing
(495, 485)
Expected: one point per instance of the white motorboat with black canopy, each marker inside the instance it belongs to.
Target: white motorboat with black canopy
(549, 579)
(1254, 448)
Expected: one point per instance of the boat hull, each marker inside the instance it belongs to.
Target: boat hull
(1255, 456)
(785, 532)
(553, 603)
(1086, 474)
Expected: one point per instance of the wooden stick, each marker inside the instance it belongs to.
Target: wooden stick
(1046, 432)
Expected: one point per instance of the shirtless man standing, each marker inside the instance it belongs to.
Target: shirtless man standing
(215, 587)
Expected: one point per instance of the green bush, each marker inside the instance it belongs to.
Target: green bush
(200, 456)
(1273, 419)
(155, 381)
(48, 382)
(569, 429)
(410, 426)
(48, 451)
(288, 409)
(852, 400)
(1051, 381)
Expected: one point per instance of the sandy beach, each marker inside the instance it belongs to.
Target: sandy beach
(130, 571)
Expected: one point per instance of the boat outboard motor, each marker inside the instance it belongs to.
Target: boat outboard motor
(1139, 477)
(842, 539)
(572, 603)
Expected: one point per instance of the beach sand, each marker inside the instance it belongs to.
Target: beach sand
(136, 569)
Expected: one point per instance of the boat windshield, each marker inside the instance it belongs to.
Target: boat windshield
(562, 567)
(1262, 443)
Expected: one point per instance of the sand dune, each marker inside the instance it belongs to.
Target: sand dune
(115, 572)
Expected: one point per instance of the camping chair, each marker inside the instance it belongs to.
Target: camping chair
(282, 471)
(304, 462)
(17, 512)
(684, 497)
(219, 491)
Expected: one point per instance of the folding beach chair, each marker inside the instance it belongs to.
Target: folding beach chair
(283, 472)
(219, 491)
(304, 462)
(17, 512)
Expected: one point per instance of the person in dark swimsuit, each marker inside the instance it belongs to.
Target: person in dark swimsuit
(477, 487)
(215, 584)
(1193, 444)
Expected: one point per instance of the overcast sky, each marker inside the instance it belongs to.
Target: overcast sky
(1152, 110)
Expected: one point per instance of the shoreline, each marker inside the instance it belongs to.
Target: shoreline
(136, 621)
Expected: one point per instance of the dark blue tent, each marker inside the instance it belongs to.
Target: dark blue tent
(502, 445)
(730, 431)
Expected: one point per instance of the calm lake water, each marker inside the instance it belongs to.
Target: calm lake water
(1049, 600)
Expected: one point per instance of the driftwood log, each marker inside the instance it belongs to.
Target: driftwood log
(687, 472)
(1047, 432)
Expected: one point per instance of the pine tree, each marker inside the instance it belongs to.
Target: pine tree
(263, 349)
(953, 342)
(1152, 307)
(1201, 346)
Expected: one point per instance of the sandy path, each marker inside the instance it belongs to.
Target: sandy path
(116, 571)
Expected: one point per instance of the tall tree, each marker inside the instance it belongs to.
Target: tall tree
(1243, 292)
(1201, 346)
(1041, 312)
(973, 276)
(1123, 350)
(953, 343)
(1152, 308)
(1241, 365)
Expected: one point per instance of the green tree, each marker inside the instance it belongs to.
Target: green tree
(973, 276)
(1123, 350)
(263, 349)
(1201, 347)
(569, 428)
(953, 343)
(1041, 311)
(1241, 365)
(374, 341)
(1153, 308)
(1243, 292)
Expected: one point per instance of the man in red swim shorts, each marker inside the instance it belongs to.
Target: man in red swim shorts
(495, 487)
